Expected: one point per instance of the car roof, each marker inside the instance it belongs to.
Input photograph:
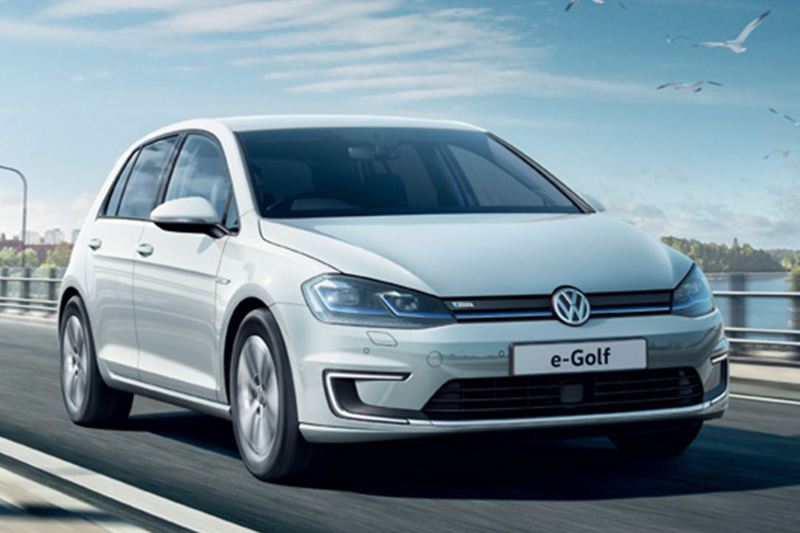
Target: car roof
(274, 122)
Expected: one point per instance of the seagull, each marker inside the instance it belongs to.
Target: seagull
(573, 2)
(735, 45)
(672, 38)
(787, 117)
(693, 86)
(784, 153)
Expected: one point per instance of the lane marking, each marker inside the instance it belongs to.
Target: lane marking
(28, 322)
(147, 502)
(765, 399)
(21, 492)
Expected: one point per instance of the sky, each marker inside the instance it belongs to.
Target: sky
(83, 79)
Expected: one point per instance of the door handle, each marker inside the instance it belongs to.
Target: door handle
(145, 250)
(95, 244)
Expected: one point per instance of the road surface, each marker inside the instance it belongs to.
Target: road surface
(743, 473)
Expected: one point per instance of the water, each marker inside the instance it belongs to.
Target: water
(759, 312)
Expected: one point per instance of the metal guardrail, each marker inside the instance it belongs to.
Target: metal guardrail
(33, 293)
(736, 331)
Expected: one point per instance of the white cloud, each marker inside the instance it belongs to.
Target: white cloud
(91, 76)
(312, 46)
(42, 215)
(82, 8)
(252, 16)
(710, 221)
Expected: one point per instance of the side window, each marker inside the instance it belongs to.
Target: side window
(112, 206)
(143, 184)
(200, 170)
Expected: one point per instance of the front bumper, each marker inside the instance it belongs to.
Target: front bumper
(396, 372)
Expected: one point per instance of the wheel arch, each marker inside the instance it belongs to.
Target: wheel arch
(67, 293)
(242, 309)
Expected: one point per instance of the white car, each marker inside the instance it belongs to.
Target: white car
(326, 279)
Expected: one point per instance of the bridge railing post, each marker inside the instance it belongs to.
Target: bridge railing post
(25, 291)
(52, 286)
(3, 282)
(738, 304)
(794, 307)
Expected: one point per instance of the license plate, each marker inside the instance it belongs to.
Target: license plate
(574, 357)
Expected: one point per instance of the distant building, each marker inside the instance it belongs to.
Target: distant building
(54, 236)
(33, 237)
(74, 236)
(11, 243)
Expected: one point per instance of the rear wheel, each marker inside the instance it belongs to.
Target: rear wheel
(89, 401)
(263, 406)
(661, 443)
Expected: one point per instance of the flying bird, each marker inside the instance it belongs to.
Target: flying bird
(672, 38)
(573, 2)
(794, 121)
(735, 45)
(784, 153)
(693, 86)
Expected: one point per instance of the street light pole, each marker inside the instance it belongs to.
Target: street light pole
(24, 207)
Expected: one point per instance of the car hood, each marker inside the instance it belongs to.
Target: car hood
(487, 255)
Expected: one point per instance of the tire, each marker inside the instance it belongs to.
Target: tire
(658, 444)
(88, 400)
(263, 405)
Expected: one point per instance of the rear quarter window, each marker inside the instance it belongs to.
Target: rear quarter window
(143, 184)
(112, 204)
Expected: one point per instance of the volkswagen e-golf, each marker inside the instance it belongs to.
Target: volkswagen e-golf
(327, 279)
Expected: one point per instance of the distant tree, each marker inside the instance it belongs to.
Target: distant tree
(794, 278)
(714, 257)
(31, 259)
(9, 257)
(58, 257)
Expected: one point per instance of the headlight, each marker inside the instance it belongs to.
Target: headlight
(693, 296)
(350, 301)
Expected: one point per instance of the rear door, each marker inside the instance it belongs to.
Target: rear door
(112, 245)
(176, 278)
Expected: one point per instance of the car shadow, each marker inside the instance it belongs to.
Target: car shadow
(522, 467)
(209, 433)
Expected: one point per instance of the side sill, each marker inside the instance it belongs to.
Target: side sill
(194, 403)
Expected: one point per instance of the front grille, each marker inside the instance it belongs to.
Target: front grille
(485, 309)
(565, 394)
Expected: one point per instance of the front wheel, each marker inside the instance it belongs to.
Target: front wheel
(89, 401)
(659, 444)
(263, 406)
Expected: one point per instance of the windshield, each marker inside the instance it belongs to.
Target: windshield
(388, 171)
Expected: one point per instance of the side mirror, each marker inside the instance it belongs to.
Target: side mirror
(596, 204)
(188, 215)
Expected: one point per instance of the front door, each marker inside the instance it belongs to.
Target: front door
(175, 281)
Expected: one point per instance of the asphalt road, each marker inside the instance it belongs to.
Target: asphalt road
(742, 474)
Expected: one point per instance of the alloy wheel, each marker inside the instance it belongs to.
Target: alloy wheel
(257, 396)
(75, 361)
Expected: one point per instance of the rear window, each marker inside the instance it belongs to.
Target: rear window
(380, 171)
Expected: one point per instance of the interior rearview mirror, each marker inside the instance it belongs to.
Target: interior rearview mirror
(188, 215)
